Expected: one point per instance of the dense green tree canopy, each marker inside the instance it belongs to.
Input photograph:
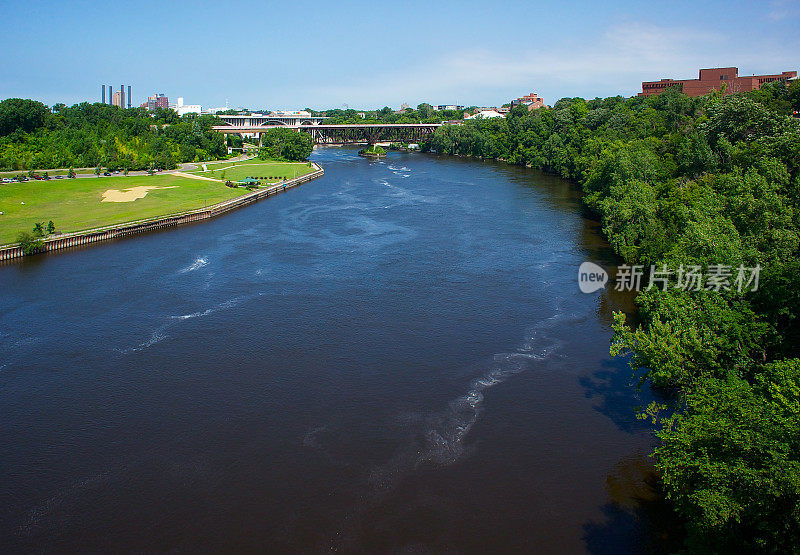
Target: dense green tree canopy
(89, 135)
(21, 114)
(285, 144)
(423, 114)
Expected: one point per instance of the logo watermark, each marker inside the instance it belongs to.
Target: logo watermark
(714, 277)
(591, 277)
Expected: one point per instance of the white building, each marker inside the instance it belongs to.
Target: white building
(182, 108)
(486, 114)
(279, 117)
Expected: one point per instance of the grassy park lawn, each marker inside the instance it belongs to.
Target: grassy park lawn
(256, 168)
(76, 204)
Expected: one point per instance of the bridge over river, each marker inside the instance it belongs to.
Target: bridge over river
(370, 133)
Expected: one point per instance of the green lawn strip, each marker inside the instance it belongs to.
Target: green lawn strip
(220, 163)
(258, 169)
(75, 204)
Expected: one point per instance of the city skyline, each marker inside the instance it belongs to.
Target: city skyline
(309, 58)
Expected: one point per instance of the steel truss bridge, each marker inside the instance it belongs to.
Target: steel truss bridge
(322, 134)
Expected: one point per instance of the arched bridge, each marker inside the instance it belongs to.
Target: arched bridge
(355, 133)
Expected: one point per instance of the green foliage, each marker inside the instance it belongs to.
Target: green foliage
(285, 144)
(88, 135)
(30, 244)
(779, 97)
(22, 115)
(423, 114)
(373, 150)
(731, 462)
(689, 336)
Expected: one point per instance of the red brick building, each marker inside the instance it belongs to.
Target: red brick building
(713, 79)
(532, 101)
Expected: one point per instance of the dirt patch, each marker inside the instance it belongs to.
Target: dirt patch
(129, 195)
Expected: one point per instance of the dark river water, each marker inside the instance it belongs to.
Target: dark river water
(395, 357)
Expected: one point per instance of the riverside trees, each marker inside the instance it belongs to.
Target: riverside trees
(88, 135)
(285, 144)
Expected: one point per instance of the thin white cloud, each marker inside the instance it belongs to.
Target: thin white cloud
(780, 10)
(617, 60)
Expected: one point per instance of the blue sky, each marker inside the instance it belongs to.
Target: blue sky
(293, 54)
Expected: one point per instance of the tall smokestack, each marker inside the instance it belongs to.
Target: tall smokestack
(129, 96)
(122, 96)
(104, 94)
(110, 95)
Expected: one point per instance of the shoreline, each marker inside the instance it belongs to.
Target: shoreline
(80, 238)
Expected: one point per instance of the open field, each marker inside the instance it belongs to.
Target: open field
(256, 168)
(76, 204)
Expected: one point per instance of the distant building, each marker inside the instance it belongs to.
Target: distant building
(117, 99)
(442, 107)
(403, 107)
(532, 101)
(289, 113)
(184, 109)
(158, 100)
(486, 114)
(713, 79)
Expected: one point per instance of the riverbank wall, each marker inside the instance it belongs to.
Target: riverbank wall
(80, 238)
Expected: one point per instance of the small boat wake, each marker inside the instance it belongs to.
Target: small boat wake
(160, 333)
(196, 265)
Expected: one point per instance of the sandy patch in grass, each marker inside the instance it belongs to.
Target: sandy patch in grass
(129, 195)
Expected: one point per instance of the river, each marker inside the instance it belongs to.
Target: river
(394, 357)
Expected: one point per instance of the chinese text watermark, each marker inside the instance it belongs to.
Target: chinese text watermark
(714, 277)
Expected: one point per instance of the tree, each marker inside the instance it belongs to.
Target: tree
(89, 135)
(425, 110)
(285, 144)
(51, 227)
(97, 171)
(731, 462)
(21, 114)
(29, 243)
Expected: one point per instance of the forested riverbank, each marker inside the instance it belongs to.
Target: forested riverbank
(678, 183)
(90, 135)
